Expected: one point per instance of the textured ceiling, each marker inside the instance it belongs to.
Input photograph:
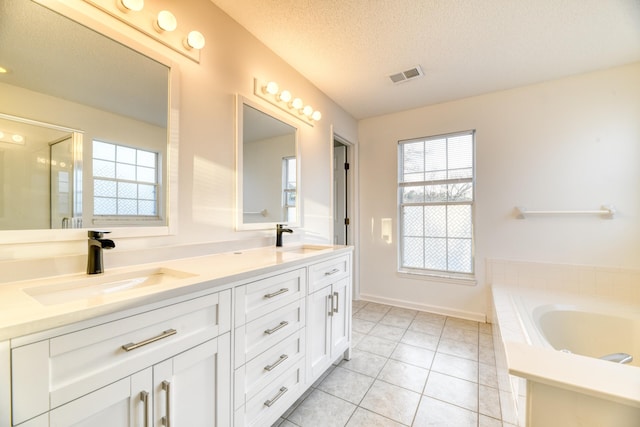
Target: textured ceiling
(347, 48)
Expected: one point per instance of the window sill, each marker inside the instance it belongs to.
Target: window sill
(467, 280)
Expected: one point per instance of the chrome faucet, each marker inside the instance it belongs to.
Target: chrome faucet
(96, 245)
(279, 230)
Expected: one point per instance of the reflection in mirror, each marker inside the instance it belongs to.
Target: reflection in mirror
(65, 73)
(267, 169)
(40, 175)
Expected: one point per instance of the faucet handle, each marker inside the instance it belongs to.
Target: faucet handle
(97, 234)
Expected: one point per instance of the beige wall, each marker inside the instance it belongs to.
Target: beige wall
(229, 62)
(569, 144)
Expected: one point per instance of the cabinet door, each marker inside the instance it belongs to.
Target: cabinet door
(341, 318)
(192, 388)
(118, 404)
(319, 332)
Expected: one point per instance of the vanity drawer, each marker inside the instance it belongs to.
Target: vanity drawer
(327, 272)
(263, 333)
(269, 403)
(259, 372)
(256, 299)
(71, 365)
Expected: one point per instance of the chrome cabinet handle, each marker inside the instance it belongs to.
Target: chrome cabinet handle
(282, 391)
(133, 346)
(277, 328)
(166, 420)
(275, 365)
(337, 295)
(144, 398)
(275, 294)
(330, 296)
(334, 271)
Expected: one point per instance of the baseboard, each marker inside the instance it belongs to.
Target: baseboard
(445, 311)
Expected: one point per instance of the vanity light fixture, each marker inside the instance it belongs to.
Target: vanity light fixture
(194, 40)
(284, 99)
(130, 5)
(297, 104)
(160, 25)
(166, 21)
(12, 138)
(271, 88)
(285, 96)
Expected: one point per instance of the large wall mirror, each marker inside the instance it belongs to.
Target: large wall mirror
(92, 103)
(267, 170)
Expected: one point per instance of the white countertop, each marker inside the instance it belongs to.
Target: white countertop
(21, 314)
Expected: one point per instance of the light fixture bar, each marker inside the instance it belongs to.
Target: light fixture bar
(160, 25)
(285, 100)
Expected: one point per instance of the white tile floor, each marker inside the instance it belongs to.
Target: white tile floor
(408, 368)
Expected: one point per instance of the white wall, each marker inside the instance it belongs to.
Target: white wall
(569, 144)
(230, 61)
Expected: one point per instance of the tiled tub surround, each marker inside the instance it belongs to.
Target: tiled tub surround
(408, 368)
(605, 283)
(564, 389)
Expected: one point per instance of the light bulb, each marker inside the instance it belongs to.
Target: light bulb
(130, 5)
(271, 88)
(166, 21)
(17, 138)
(3, 70)
(307, 110)
(297, 103)
(317, 115)
(1, 134)
(194, 40)
(285, 96)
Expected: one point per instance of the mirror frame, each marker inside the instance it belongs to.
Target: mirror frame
(97, 20)
(240, 225)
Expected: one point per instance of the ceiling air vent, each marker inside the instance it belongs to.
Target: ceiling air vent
(407, 75)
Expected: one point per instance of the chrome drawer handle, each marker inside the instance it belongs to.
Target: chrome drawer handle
(330, 296)
(133, 346)
(275, 294)
(166, 420)
(278, 362)
(334, 271)
(277, 328)
(144, 398)
(282, 391)
(337, 295)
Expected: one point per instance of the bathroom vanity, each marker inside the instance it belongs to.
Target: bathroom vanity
(225, 339)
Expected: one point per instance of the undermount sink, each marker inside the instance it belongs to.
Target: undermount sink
(87, 287)
(304, 249)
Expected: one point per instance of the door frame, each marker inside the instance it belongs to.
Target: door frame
(352, 203)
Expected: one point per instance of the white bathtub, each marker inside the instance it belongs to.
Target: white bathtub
(577, 388)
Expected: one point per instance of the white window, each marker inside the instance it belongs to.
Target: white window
(435, 193)
(125, 181)
(289, 188)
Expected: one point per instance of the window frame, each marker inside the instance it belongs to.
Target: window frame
(157, 184)
(286, 191)
(416, 272)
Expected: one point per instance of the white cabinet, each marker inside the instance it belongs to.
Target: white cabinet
(269, 347)
(126, 402)
(83, 376)
(329, 315)
(239, 356)
(192, 388)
